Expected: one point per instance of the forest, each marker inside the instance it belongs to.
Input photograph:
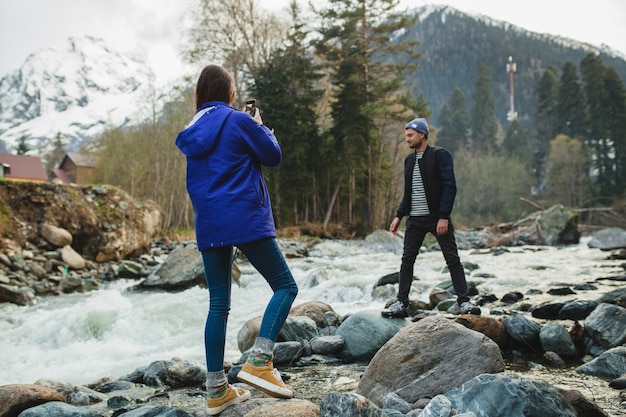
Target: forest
(334, 89)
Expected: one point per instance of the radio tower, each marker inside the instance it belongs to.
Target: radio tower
(511, 68)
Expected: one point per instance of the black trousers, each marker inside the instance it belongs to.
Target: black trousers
(416, 230)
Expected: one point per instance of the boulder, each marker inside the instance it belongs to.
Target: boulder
(314, 310)
(365, 332)
(508, 395)
(491, 327)
(606, 325)
(16, 295)
(16, 398)
(428, 358)
(608, 239)
(182, 269)
(553, 226)
(71, 258)
(55, 408)
(57, 236)
(610, 364)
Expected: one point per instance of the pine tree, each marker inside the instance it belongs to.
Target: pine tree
(546, 125)
(55, 156)
(571, 116)
(616, 112)
(453, 122)
(22, 147)
(366, 68)
(483, 123)
(593, 75)
(516, 144)
(285, 89)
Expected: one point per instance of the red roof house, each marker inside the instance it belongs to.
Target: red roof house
(22, 168)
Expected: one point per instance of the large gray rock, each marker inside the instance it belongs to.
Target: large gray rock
(365, 332)
(606, 239)
(610, 364)
(182, 269)
(523, 331)
(606, 325)
(506, 395)
(348, 404)
(57, 409)
(554, 337)
(428, 358)
(554, 226)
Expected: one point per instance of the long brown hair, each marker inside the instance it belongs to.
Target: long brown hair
(214, 84)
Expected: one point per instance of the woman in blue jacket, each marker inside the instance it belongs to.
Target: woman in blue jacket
(225, 149)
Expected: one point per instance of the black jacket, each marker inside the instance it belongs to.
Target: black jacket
(438, 176)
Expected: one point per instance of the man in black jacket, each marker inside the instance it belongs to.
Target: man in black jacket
(429, 192)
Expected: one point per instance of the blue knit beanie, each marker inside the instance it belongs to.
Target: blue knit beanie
(419, 125)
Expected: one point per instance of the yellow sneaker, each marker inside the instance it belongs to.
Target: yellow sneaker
(266, 379)
(233, 395)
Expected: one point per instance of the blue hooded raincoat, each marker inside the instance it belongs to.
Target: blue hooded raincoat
(225, 149)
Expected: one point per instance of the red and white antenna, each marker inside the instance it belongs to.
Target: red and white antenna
(511, 67)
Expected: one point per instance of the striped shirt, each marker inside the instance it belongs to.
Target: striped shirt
(419, 205)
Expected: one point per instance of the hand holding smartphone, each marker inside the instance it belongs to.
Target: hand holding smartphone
(251, 107)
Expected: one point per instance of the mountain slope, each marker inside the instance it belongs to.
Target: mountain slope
(454, 44)
(75, 89)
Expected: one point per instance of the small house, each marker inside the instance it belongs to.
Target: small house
(22, 168)
(75, 168)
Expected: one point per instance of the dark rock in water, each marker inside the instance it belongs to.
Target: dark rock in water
(613, 278)
(618, 383)
(548, 311)
(512, 297)
(506, 395)
(523, 331)
(577, 310)
(561, 291)
(486, 298)
(585, 287)
(388, 279)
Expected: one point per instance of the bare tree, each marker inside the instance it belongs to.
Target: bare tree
(235, 34)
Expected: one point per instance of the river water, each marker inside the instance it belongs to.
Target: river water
(79, 338)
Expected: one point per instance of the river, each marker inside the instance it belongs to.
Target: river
(79, 338)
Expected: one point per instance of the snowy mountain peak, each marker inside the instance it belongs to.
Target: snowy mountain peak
(75, 88)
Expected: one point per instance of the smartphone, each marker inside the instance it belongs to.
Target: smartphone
(251, 107)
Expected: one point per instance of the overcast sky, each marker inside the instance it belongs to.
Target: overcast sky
(153, 27)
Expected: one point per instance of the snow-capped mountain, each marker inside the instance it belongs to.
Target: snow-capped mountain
(76, 89)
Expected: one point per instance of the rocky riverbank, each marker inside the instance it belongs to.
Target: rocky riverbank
(512, 361)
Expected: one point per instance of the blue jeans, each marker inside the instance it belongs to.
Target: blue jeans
(416, 230)
(266, 257)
